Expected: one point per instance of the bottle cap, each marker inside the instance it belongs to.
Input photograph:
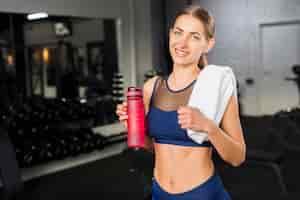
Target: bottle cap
(134, 91)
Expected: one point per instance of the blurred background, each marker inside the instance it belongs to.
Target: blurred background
(64, 65)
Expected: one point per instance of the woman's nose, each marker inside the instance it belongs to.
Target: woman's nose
(183, 41)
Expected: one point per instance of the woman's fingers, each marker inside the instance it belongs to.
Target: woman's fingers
(121, 111)
(123, 117)
(184, 120)
(121, 107)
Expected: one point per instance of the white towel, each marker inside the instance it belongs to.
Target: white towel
(211, 93)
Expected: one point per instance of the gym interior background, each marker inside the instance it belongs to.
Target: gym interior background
(61, 77)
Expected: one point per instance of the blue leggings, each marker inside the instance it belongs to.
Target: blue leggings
(212, 189)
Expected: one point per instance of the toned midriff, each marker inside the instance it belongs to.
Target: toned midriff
(179, 168)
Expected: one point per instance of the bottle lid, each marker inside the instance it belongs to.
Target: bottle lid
(134, 91)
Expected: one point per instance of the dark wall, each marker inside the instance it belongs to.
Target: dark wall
(238, 36)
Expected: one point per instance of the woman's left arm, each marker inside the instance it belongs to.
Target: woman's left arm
(227, 139)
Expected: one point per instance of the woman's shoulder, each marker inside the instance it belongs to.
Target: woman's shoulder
(149, 84)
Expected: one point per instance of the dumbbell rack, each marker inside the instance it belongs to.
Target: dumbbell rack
(70, 162)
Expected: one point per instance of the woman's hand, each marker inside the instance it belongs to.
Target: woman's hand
(121, 111)
(192, 118)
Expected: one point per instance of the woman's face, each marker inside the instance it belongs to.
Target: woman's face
(187, 40)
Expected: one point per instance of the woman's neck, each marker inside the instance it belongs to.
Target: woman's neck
(182, 76)
(184, 73)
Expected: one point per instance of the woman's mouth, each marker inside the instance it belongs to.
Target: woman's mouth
(180, 52)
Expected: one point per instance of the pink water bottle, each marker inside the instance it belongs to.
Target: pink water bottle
(136, 118)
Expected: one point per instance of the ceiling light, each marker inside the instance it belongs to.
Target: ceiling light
(35, 16)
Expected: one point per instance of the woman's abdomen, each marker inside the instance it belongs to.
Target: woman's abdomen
(179, 169)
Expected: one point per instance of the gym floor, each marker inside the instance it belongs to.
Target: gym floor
(107, 179)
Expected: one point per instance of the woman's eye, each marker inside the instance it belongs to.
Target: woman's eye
(196, 37)
(177, 33)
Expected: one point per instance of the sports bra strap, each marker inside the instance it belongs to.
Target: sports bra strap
(154, 89)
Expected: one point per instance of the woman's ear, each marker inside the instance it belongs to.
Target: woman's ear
(211, 44)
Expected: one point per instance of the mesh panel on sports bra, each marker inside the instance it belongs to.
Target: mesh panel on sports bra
(167, 99)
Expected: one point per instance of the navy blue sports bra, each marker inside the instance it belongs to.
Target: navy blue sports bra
(162, 119)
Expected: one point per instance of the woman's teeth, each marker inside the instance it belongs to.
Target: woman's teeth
(180, 52)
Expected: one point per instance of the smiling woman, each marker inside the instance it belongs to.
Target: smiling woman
(184, 169)
(200, 40)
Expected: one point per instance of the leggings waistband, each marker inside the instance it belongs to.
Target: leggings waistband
(211, 189)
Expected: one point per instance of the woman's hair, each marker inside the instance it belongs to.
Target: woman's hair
(206, 19)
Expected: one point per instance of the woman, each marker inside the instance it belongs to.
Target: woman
(184, 170)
